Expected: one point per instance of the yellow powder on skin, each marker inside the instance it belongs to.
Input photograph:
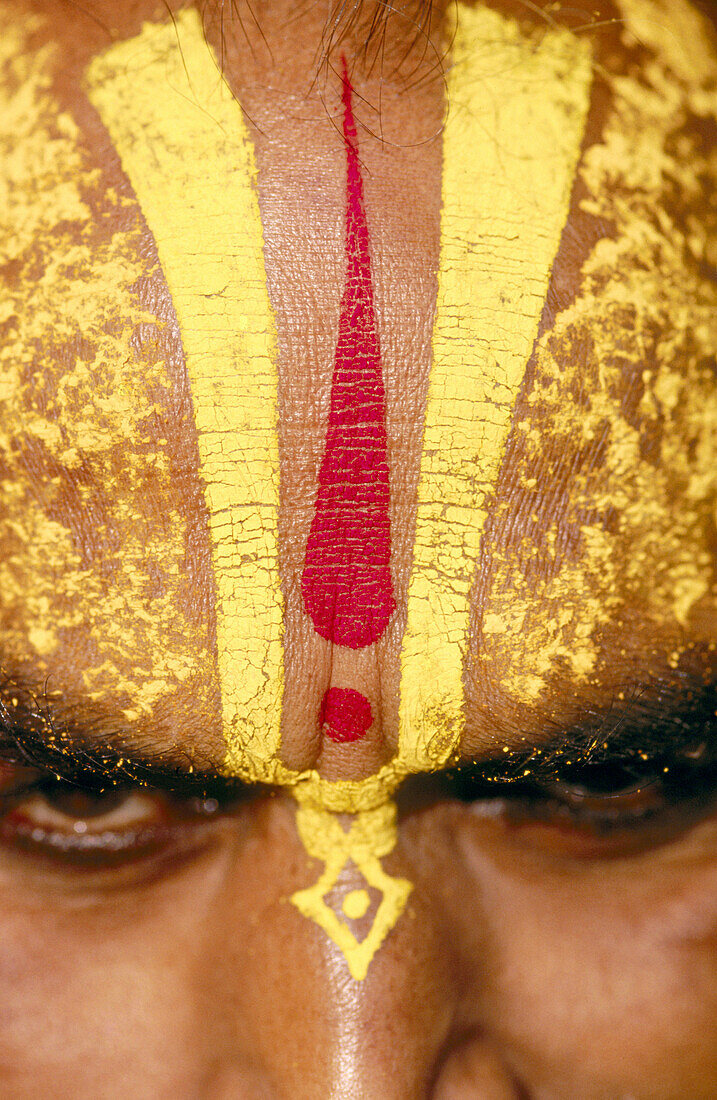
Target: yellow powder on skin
(183, 142)
(498, 243)
(679, 34)
(369, 837)
(236, 326)
(479, 365)
(511, 144)
(81, 372)
(623, 398)
(239, 321)
(356, 903)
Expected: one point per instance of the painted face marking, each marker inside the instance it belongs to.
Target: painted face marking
(509, 160)
(87, 443)
(176, 160)
(348, 590)
(185, 147)
(346, 582)
(511, 146)
(371, 836)
(345, 714)
(636, 426)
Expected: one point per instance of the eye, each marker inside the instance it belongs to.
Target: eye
(611, 808)
(58, 820)
(619, 807)
(609, 794)
(71, 818)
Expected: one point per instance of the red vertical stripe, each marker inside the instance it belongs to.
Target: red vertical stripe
(346, 582)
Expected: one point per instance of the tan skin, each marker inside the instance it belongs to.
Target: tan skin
(535, 959)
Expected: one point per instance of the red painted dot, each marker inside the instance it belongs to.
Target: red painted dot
(345, 714)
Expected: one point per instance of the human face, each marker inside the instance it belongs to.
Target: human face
(358, 510)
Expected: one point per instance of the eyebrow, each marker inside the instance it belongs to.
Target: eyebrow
(654, 721)
(76, 744)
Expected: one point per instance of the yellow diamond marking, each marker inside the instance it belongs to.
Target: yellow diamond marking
(370, 836)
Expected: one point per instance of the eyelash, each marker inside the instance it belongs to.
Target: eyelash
(613, 806)
(31, 821)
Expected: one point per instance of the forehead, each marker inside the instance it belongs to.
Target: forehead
(166, 387)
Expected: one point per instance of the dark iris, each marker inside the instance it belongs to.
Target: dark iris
(78, 803)
(613, 792)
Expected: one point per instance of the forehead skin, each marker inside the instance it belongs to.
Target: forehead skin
(107, 581)
(598, 562)
(596, 567)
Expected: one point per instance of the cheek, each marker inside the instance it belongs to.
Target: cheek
(144, 982)
(93, 995)
(594, 978)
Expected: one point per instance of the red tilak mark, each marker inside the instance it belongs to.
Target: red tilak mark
(345, 714)
(346, 582)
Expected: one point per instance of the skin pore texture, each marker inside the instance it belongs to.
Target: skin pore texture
(534, 236)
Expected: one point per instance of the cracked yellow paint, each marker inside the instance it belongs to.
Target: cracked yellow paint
(370, 836)
(511, 145)
(184, 145)
(83, 416)
(623, 391)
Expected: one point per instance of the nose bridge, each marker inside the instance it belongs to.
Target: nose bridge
(352, 743)
(393, 1026)
(279, 1011)
(282, 1015)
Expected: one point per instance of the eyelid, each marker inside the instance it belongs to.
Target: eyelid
(636, 819)
(73, 763)
(653, 801)
(138, 822)
(15, 778)
(581, 794)
(136, 807)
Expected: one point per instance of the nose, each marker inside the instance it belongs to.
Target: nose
(279, 1013)
(473, 1070)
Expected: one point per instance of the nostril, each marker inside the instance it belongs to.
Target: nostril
(473, 1070)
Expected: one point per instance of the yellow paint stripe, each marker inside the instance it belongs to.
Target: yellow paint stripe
(517, 110)
(184, 145)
